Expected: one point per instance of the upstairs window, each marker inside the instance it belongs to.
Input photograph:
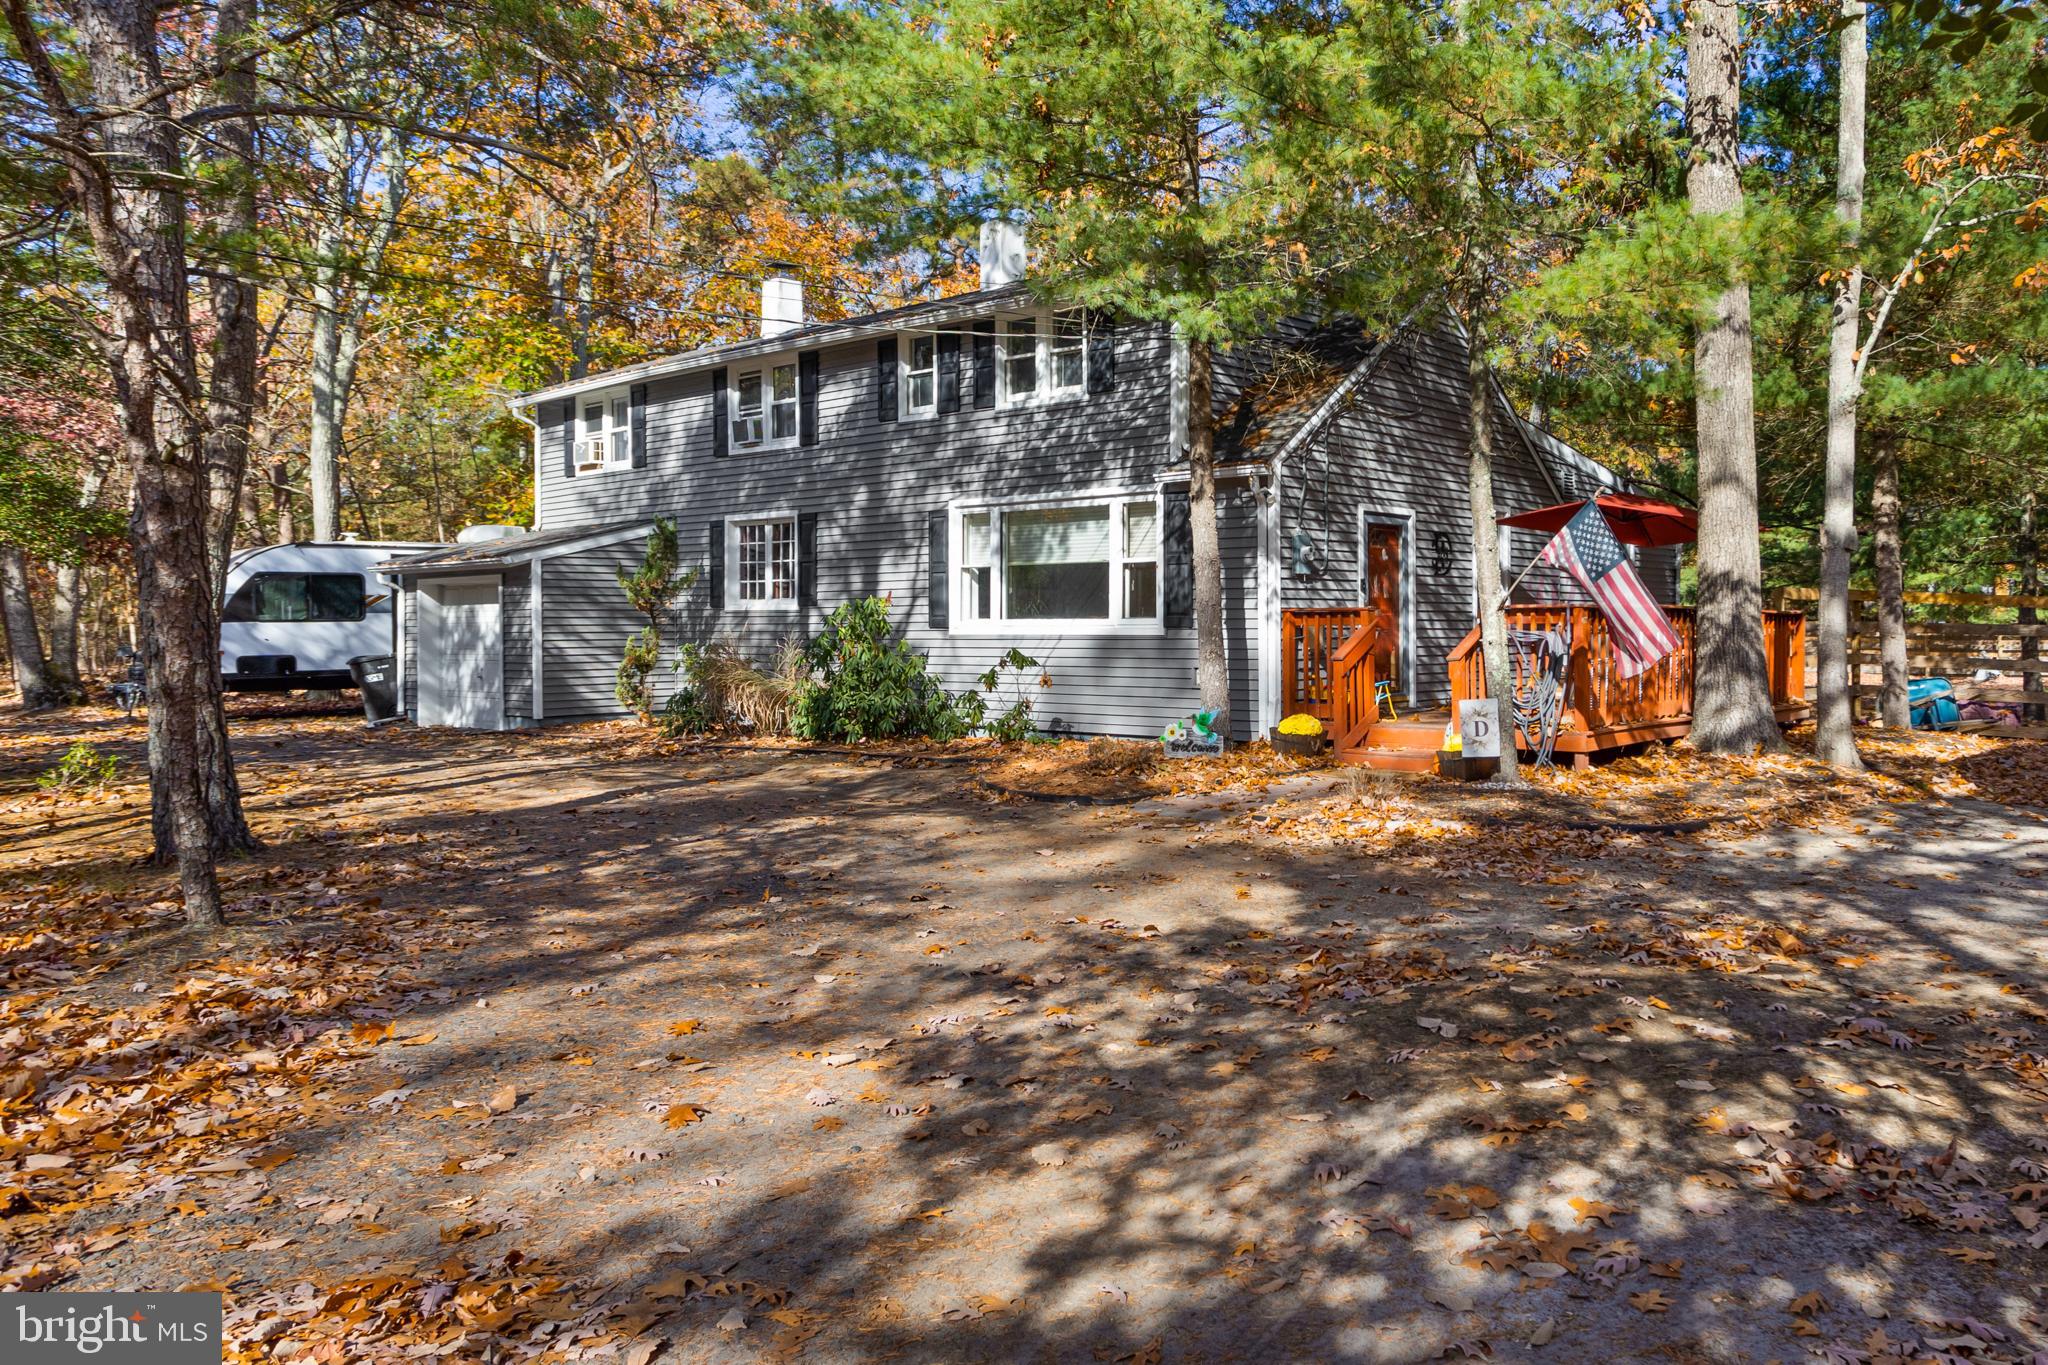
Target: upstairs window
(1068, 368)
(921, 376)
(1020, 360)
(764, 406)
(604, 435)
(1043, 358)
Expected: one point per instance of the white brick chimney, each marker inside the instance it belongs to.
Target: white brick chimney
(782, 300)
(1002, 253)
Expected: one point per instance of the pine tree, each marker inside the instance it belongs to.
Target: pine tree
(1121, 133)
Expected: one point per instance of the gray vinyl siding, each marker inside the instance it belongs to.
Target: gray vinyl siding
(873, 484)
(1400, 450)
(585, 620)
(515, 615)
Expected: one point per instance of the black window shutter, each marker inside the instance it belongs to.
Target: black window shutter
(569, 439)
(720, 432)
(807, 559)
(939, 575)
(639, 426)
(1101, 353)
(714, 563)
(807, 398)
(885, 379)
(949, 371)
(985, 363)
(1177, 551)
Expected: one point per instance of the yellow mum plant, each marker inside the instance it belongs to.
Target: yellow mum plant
(1302, 724)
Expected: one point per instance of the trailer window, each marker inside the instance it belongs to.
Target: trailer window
(298, 597)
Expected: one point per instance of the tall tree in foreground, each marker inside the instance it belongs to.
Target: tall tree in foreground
(1440, 160)
(1118, 132)
(1835, 721)
(1731, 681)
(106, 109)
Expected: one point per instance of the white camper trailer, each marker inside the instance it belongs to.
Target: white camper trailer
(296, 614)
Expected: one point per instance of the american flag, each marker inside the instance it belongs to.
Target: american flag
(1636, 626)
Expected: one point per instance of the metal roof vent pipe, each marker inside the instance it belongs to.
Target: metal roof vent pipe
(1002, 253)
(782, 300)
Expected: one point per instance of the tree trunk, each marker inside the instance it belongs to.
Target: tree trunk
(1731, 683)
(1493, 621)
(1893, 709)
(2028, 548)
(281, 502)
(1212, 661)
(1834, 715)
(337, 334)
(237, 338)
(323, 432)
(24, 640)
(64, 607)
(66, 601)
(128, 176)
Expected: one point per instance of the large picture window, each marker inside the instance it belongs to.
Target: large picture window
(1086, 562)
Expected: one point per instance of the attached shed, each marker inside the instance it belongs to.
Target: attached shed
(507, 633)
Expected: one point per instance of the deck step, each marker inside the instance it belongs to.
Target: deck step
(1390, 760)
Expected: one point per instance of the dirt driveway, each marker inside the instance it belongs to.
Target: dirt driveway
(733, 1056)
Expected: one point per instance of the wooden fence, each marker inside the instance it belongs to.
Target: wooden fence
(1952, 649)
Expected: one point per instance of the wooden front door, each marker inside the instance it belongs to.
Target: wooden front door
(1383, 582)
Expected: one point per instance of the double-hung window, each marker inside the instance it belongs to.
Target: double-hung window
(763, 562)
(604, 434)
(1043, 357)
(764, 406)
(921, 376)
(1020, 360)
(1088, 562)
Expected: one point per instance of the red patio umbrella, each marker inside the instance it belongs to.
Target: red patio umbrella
(1634, 520)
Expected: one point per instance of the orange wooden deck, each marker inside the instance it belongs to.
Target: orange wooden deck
(1326, 670)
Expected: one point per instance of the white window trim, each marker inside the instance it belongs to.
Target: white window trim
(1044, 394)
(733, 602)
(1000, 625)
(904, 411)
(606, 398)
(765, 366)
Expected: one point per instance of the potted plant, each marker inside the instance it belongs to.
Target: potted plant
(1299, 736)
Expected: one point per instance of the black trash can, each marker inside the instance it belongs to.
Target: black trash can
(377, 677)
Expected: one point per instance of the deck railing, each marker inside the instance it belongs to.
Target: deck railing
(1653, 704)
(1326, 668)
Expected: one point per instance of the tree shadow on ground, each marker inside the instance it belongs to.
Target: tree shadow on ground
(1161, 1083)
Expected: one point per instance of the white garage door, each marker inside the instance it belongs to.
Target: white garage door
(461, 655)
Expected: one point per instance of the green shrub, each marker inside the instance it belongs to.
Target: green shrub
(1013, 724)
(652, 589)
(868, 686)
(83, 768)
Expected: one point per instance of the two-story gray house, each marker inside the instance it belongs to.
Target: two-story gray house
(1007, 474)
